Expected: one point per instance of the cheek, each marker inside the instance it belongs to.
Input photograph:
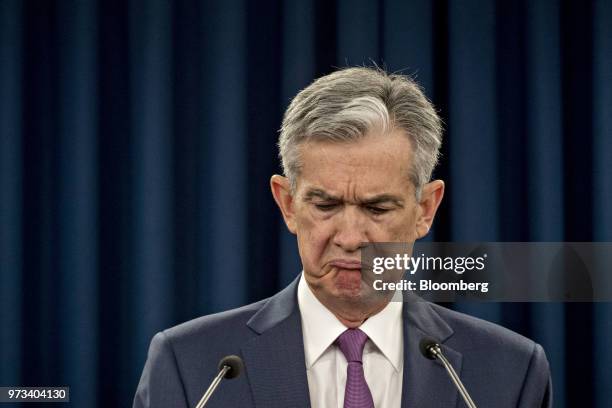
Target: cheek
(313, 238)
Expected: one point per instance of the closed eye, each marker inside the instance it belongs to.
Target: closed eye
(326, 207)
(376, 210)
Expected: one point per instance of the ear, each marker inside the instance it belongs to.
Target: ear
(281, 191)
(431, 197)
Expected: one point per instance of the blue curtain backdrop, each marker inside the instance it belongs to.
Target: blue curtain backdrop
(137, 140)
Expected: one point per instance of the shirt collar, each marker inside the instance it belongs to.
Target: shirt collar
(321, 328)
(385, 329)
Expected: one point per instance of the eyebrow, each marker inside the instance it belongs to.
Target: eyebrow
(384, 198)
(318, 193)
(378, 199)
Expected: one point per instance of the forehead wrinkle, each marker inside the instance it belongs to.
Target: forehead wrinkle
(357, 171)
(374, 199)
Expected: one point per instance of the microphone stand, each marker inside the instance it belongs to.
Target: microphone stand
(213, 386)
(436, 352)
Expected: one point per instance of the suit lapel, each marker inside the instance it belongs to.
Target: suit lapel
(274, 360)
(276, 368)
(426, 383)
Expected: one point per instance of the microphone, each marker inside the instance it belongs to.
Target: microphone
(229, 367)
(431, 350)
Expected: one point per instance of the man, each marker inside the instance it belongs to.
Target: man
(358, 148)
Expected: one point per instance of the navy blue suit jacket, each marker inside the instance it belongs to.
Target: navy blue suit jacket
(499, 368)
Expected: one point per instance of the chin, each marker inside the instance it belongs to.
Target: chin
(349, 282)
(348, 294)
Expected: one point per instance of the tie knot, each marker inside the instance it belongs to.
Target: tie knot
(351, 343)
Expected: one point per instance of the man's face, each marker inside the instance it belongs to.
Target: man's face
(349, 194)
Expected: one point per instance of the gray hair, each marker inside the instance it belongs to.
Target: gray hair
(350, 103)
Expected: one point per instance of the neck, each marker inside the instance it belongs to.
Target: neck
(354, 319)
(351, 313)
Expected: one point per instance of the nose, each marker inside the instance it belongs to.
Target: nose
(351, 232)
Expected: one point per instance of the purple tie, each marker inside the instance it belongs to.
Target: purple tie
(357, 393)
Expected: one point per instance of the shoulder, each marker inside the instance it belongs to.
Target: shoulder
(479, 334)
(220, 326)
(181, 359)
(233, 317)
(500, 357)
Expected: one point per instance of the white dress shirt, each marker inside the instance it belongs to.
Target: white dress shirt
(383, 355)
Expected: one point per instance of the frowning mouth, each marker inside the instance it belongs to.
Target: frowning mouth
(349, 264)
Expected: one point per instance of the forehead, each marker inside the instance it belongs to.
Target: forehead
(373, 164)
